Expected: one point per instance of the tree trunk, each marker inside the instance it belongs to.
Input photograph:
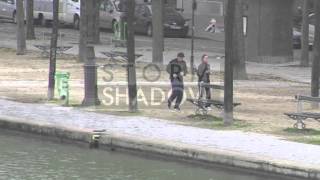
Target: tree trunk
(131, 68)
(21, 36)
(53, 49)
(96, 39)
(157, 31)
(229, 50)
(30, 23)
(87, 52)
(194, 5)
(83, 39)
(269, 37)
(91, 20)
(316, 53)
(90, 79)
(305, 34)
(239, 70)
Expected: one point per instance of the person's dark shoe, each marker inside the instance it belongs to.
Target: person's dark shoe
(177, 109)
(169, 104)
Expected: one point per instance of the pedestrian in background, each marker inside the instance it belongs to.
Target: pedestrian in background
(177, 68)
(212, 26)
(203, 73)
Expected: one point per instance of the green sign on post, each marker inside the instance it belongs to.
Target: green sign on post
(62, 86)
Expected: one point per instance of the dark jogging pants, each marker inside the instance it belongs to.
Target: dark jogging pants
(177, 91)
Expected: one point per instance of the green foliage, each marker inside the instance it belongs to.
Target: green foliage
(309, 136)
(213, 122)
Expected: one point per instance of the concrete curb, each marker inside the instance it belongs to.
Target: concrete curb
(175, 150)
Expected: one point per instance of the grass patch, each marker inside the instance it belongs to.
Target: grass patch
(308, 136)
(308, 132)
(208, 117)
(315, 140)
(213, 122)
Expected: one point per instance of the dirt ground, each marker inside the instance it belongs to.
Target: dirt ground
(24, 79)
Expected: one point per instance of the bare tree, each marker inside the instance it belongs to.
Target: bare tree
(229, 51)
(88, 26)
(87, 53)
(131, 68)
(316, 53)
(156, 30)
(30, 23)
(239, 70)
(305, 34)
(91, 20)
(53, 49)
(90, 79)
(96, 36)
(83, 39)
(21, 37)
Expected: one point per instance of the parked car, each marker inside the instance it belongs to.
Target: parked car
(297, 33)
(69, 12)
(174, 22)
(109, 13)
(8, 9)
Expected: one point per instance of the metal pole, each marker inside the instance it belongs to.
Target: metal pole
(192, 38)
(53, 50)
(21, 38)
(157, 32)
(316, 57)
(131, 69)
(229, 50)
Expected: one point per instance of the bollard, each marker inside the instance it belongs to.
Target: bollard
(125, 28)
(62, 86)
(117, 31)
(120, 34)
(120, 31)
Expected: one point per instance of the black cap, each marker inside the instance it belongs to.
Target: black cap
(180, 54)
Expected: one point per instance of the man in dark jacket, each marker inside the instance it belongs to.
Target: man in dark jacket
(204, 76)
(177, 68)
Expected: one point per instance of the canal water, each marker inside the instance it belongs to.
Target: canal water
(25, 157)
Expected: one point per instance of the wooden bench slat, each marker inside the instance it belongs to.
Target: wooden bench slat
(212, 86)
(124, 55)
(304, 115)
(307, 98)
(209, 101)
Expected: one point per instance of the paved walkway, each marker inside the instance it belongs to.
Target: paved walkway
(248, 143)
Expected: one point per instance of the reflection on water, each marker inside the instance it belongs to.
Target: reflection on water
(24, 158)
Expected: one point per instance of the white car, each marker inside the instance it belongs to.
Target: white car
(69, 11)
(8, 9)
(109, 13)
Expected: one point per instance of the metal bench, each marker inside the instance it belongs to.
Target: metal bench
(202, 104)
(300, 116)
(114, 54)
(45, 48)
